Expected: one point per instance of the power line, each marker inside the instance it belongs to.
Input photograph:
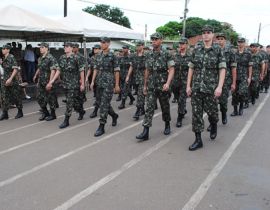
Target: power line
(131, 10)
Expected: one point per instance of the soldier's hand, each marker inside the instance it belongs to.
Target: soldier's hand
(127, 79)
(34, 79)
(261, 77)
(49, 86)
(249, 81)
(233, 87)
(189, 91)
(82, 88)
(116, 89)
(8, 82)
(92, 86)
(218, 92)
(165, 87)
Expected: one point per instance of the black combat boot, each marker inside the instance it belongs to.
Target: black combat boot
(136, 116)
(266, 90)
(19, 114)
(197, 143)
(100, 131)
(52, 116)
(122, 105)
(174, 100)
(156, 106)
(235, 111)
(253, 100)
(114, 119)
(45, 114)
(224, 117)
(94, 113)
(246, 105)
(167, 129)
(213, 131)
(142, 111)
(81, 114)
(65, 123)
(132, 99)
(179, 120)
(119, 97)
(144, 136)
(241, 109)
(4, 116)
(209, 128)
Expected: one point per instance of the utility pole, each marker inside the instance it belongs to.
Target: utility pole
(65, 8)
(184, 19)
(259, 33)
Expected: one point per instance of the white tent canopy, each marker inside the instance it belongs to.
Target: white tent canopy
(95, 27)
(17, 23)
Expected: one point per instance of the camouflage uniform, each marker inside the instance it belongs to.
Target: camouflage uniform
(124, 63)
(206, 63)
(10, 94)
(265, 83)
(106, 65)
(46, 64)
(230, 63)
(157, 63)
(243, 62)
(70, 68)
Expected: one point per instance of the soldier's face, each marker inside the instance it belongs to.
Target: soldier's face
(221, 41)
(68, 49)
(268, 50)
(43, 50)
(241, 44)
(253, 49)
(139, 47)
(5, 51)
(182, 46)
(104, 45)
(156, 42)
(75, 49)
(207, 36)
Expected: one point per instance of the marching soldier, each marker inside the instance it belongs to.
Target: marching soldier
(72, 73)
(206, 74)
(158, 75)
(107, 69)
(11, 92)
(137, 69)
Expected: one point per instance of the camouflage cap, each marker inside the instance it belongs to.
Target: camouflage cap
(96, 46)
(44, 44)
(183, 40)
(221, 35)
(125, 47)
(76, 45)
(156, 35)
(207, 28)
(241, 39)
(139, 43)
(254, 45)
(68, 44)
(105, 39)
(6, 46)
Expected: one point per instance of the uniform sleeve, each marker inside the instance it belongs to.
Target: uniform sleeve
(222, 60)
(250, 63)
(53, 64)
(233, 59)
(81, 64)
(116, 66)
(13, 63)
(191, 62)
(170, 61)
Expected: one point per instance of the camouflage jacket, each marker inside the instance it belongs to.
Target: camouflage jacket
(243, 62)
(46, 64)
(9, 63)
(138, 66)
(106, 65)
(158, 63)
(206, 63)
(230, 63)
(124, 63)
(70, 68)
(181, 66)
(257, 60)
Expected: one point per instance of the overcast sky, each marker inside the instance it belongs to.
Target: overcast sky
(244, 15)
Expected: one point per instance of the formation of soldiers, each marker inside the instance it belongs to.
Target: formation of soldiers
(207, 73)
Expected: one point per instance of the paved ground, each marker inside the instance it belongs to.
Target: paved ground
(43, 167)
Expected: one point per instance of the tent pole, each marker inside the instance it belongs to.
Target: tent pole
(85, 61)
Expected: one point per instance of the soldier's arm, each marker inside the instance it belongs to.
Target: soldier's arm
(189, 79)
(146, 75)
(93, 79)
(88, 74)
(169, 79)
(262, 70)
(52, 80)
(234, 77)
(82, 80)
(129, 73)
(9, 80)
(36, 75)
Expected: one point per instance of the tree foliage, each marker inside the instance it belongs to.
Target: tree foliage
(112, 14)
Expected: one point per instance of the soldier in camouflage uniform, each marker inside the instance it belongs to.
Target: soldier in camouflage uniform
(263, 82)
(207, 71)
(137, 69)
(71, 69)
(159, 73)
(107, 69)
(182, 59)
(244, 73)
(11, 92)
(124, 63)
(258, 67)
(230, 78)
(96, 51)
(47, 67)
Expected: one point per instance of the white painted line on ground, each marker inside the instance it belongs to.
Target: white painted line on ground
(51, 135)
(202, 190)
(25, 173)
(30, 113)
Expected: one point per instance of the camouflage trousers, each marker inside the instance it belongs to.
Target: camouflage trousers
(11, 95)
(140, 96)
(254, 88)
(175, 89)
(105, 96)
(182, 100)
(223, 99)
(266, 80)
(201, 102)
(125, 89)
(73, 101)
(241, 92)
(151, 99)
(45, 97)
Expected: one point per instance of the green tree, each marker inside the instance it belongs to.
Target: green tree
(170, 30)
(112, 14)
